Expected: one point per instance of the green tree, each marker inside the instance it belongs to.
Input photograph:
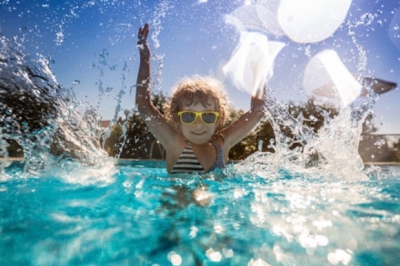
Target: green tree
(313, 115)
(241, 150)
(368, 127)
(137, 140)
(112, 144)
(263, 132)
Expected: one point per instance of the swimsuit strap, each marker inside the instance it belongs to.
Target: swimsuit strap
(220, 160)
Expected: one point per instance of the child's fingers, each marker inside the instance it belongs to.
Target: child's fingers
(142, 35)
(140, 32)
(145, 31)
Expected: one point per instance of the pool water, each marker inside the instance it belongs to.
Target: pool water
(138, 215)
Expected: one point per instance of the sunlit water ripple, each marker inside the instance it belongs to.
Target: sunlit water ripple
(144, 217)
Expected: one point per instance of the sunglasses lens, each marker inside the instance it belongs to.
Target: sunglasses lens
(188, 117)
(209, 118)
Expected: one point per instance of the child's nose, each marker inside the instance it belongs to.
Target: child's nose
(198, 120)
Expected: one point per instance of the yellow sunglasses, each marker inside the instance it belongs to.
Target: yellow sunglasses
(207, 117)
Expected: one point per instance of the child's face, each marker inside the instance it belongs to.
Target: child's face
(198, 132)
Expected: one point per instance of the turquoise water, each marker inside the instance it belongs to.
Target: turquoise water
(135, 214)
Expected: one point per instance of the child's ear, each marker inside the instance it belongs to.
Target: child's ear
(177, 126)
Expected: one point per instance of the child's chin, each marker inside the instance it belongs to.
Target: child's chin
(198, 141)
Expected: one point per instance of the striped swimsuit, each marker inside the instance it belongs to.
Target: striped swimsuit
(188, 162)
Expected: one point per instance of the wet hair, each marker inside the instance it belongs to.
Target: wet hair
(201, 89)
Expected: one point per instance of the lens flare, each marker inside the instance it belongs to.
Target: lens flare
(310, 21)
(251, 63)
(327, 78)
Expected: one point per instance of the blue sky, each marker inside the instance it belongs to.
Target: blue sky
(94, 42)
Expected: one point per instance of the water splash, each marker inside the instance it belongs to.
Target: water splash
(55, 133)
(331, 153)
(42, 116)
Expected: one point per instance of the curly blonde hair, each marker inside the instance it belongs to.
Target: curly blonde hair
(197, 87)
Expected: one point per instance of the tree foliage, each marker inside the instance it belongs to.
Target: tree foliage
(138, 142)
(131, 138)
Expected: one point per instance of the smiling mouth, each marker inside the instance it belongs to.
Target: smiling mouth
(199, 133)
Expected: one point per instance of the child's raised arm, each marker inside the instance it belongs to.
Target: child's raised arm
(143, 97)
(243, 126)
(151, 116)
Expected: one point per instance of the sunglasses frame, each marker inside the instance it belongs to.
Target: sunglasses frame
(198, 114)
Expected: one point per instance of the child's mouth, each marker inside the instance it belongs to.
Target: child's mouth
(199, 133)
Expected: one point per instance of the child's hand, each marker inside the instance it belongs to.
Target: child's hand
(144, 49)
(258, 102)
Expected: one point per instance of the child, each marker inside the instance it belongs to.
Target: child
(191, 130)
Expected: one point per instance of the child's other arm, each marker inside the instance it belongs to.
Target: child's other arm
(243, 126)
